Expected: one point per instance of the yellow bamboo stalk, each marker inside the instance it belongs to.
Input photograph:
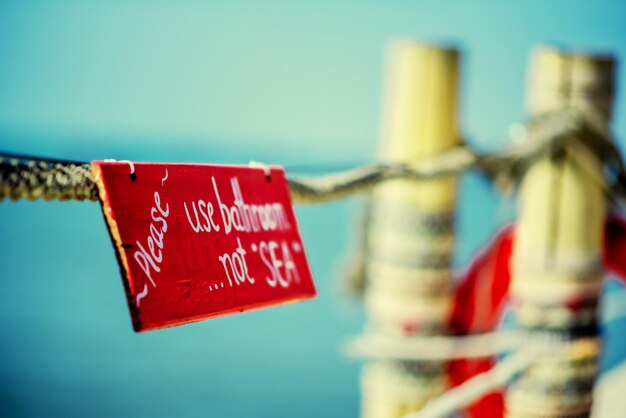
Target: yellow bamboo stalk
(556, 261)
(410, 236)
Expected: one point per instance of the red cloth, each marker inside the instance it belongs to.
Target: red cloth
(615, 246)
(479, 301)
(482, 293)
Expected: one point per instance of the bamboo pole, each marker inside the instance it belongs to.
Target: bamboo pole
(556, 261)
(410, 235)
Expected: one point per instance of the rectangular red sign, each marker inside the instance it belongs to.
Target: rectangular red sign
(198, 241)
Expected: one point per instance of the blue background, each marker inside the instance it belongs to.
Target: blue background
(229, 81)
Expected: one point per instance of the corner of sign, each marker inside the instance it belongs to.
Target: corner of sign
(137, 325)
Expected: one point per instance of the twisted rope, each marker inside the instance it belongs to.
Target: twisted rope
(35, 178)
(497, 377)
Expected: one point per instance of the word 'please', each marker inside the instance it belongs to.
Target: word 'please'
(150, 259)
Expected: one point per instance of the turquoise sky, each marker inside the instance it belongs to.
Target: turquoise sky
(275, 74)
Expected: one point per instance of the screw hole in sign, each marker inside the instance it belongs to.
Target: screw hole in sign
(266, 169)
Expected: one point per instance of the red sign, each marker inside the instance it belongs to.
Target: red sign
(198, 241)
